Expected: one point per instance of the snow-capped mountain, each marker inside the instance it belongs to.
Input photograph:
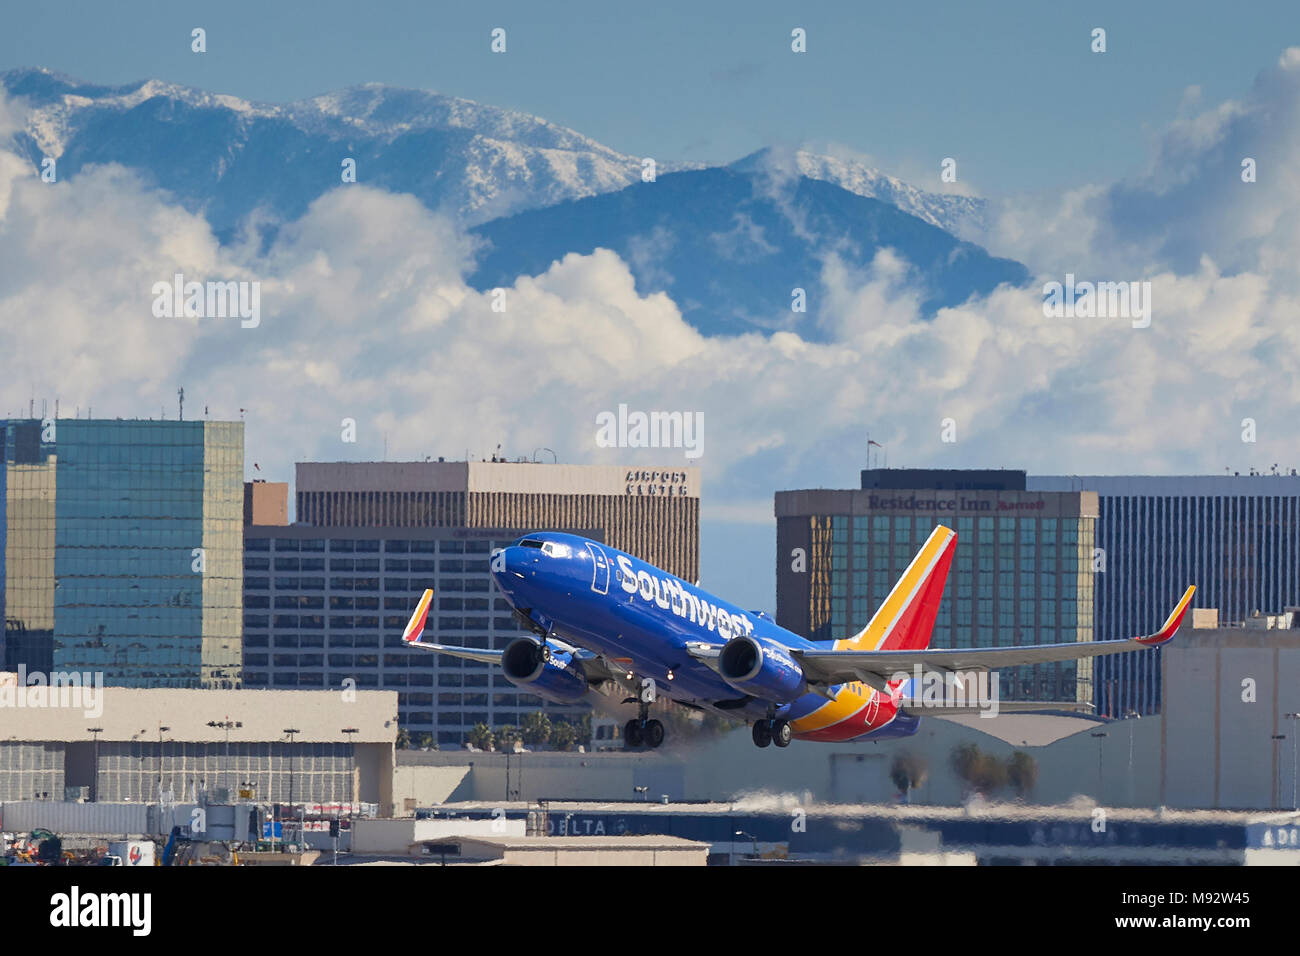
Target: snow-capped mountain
(729, 246)
(961, 215)
(226, 156)
(727, 243)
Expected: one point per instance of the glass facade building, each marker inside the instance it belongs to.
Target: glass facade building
(1022, 572)
(122, 549)
(323, 606)
(1237, 538)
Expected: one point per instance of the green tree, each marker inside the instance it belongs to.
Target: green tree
(425, 741)
(982, 772)
(481, 736)
(563, 736)
(1022, 773)
(506, 738)
(908, 771)
(537, 729)
(403, 739)
(583, 731)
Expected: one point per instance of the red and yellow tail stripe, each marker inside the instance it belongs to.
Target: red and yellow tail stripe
(415, 626)
(904, 621)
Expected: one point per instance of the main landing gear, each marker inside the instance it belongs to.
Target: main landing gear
(642, 731)
(772, 731)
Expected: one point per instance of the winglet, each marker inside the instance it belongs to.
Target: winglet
(1172, 622)
(415, 626)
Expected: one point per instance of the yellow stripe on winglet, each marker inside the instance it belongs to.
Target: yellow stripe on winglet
(415, 626)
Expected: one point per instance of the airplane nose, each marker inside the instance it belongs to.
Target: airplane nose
(510, 567)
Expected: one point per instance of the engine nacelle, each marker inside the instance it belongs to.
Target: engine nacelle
(559, 679)
(761, 668)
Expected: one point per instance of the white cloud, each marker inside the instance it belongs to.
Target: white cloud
(366, 315)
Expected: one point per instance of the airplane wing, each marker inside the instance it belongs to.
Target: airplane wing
(595, 666)
(877, 668)
(415, 627)
(918, 705)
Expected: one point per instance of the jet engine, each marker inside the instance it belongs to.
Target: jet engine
(761, 668)
(548, 671)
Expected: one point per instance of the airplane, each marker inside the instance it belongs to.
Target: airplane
(598, 614)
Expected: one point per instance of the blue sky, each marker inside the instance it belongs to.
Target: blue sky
(1011, 89)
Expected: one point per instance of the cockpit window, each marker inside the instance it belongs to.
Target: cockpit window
(556, 550)
(530, 543)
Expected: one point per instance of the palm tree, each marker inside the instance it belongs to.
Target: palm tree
(506, 737)
(537, 728)
(563, 736)
(908, 771)
(1022, 773)
(481, 736)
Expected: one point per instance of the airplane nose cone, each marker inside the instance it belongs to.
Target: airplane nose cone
(511, 567)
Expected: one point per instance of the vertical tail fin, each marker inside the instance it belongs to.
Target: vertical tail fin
(905, 620)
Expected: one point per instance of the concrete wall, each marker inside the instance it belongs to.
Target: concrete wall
(1226, 693)
(731, 767)
(420, 786)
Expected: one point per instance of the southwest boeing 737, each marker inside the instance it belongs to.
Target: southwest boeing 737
(601, 615)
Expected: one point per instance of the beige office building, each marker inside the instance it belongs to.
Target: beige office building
(653, 513)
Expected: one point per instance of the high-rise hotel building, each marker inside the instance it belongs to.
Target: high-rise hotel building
(326, 598)
(120, 549)
(1022, 573)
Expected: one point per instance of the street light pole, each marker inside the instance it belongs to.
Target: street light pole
(94, 772)
(161, 731)
(226, 725)
(1099, 752)
(1294, 728)
(1277, 793)
(290, 731)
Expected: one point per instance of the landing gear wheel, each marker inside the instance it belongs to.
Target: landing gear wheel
(632, 733)
(781, 733)
(654, 733)
(762, 733)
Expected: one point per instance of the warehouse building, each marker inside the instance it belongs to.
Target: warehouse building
(115, 744)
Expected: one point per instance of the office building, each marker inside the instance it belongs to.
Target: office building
(651, 513)
(1021, 573)
(121, 549)
(326, 599)
(1237, 538)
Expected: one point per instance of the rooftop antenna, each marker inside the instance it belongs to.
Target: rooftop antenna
(180, 404)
